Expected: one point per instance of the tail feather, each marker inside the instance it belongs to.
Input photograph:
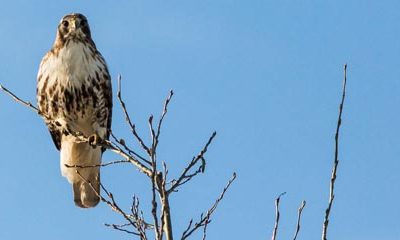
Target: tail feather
(86, 193)
(85, 181)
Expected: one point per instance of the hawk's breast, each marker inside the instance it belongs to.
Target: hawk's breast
(69, 83)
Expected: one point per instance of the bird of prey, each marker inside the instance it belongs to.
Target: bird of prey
(74, 95)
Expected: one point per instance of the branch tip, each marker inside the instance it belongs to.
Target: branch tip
(336, 159)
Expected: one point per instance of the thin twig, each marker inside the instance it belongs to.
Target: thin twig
(129, 150)
(277, 216)
(109, 145)
(138, 215)
(205, 227)
(153, 136)
(141, 224)
(120, 228)
(114, 206)
(185, 176)
(128, 118)
(19, 100)
(205, 219)
(336, 159)
(299, 211)
(97, 165)
(165, 110)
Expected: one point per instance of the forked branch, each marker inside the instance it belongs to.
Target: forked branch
(186, 174)
(205, 218)
(133, 220)
(128, 118)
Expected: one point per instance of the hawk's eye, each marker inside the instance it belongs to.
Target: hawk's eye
(65, 23)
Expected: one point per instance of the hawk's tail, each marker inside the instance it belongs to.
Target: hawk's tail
(85, 176)
(86, 193)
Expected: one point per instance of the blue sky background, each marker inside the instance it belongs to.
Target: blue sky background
(266, 75)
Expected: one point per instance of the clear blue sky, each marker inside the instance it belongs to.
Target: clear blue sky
(266, 75)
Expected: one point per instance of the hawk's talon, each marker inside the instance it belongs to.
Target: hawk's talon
(94, 140)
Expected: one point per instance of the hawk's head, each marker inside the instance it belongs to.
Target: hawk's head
(73, 26)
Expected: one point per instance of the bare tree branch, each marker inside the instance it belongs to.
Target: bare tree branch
(166, 221)
(277, 215)
(157, 230)
(165, 110)
(162, 223)
(129, 150)
(186, 176)
(132, 220)
(121, 228)
(113, 147)
(138, 215)
(205, 227)
(19, 100)
(300, 210)
(128, 119)
(336, 159)
(114, 206)
(81, 138)
(97, 165)
(205, 219)
(165, 217)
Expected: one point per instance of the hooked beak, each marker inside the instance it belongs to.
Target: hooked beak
(75, 23)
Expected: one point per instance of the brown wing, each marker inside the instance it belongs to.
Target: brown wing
(107, 93)
(56, 136)
(103, 91)
(43, 101)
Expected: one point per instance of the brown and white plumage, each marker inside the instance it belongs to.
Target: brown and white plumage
(74, 90)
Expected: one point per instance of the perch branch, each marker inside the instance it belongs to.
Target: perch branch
(81, 138)
(97, 165)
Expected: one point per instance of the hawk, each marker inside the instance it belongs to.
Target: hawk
(74, 93)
